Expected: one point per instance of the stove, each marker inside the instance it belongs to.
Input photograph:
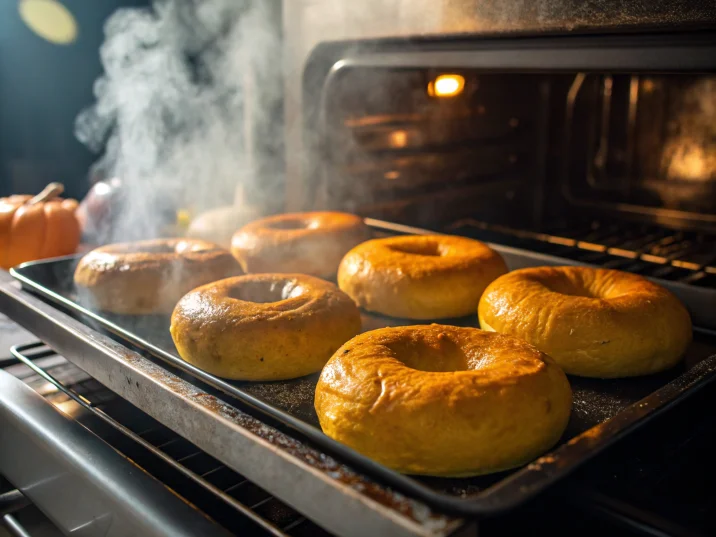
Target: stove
(560, 133)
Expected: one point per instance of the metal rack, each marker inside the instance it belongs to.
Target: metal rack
(224, 495)
(171, 459)
(315, 484)
(680, 256)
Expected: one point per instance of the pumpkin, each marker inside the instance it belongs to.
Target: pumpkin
(37, 227)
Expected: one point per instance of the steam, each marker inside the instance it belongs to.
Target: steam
(178, 91)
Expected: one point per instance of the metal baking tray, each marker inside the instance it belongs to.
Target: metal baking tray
(603, 410)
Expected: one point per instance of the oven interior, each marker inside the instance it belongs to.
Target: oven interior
(614, 167)
(610, 167)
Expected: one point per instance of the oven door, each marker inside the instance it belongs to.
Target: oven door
(79, 482)
(514, 131)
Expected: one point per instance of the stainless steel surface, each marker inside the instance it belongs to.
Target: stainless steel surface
(29, 521)
(316, 485)
(14, 527)
(306, 143)
(11, 501)
(80, 483)
(307, 23)
(12, 334)
(35, 358)
(12, 504)
(227, 497)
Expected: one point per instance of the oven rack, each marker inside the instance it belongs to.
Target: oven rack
(203, 481)
(222, 494)
(682, 256)
(317, 485)
(197, 477)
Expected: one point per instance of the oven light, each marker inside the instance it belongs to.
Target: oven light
(398, 139)
(446, 86)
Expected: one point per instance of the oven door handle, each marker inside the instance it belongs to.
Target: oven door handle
(12, 501)
(83, 485)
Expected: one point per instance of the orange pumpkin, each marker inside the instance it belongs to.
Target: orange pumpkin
(37, 227)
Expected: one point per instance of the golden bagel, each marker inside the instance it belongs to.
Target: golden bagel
(593, 322)
(443, 400)
(149, 277)
(263, 326)
(307, 243)
(419, 276)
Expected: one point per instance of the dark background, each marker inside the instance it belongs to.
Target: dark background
(43, 86)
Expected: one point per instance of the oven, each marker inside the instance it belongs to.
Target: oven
(597, 149)
(561, 133)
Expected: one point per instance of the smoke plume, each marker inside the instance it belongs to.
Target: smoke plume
(177, 109)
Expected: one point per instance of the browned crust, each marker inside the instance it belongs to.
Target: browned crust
(391, 276)
(309, 243)
(593, 322)
(149, 277)
(443, 400)
(286, 327)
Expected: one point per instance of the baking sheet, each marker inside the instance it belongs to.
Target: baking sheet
(603, 410)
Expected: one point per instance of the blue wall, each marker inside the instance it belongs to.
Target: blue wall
(42, 88)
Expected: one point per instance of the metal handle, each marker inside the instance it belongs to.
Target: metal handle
(14, 527)
(80, 482)
(12, 501)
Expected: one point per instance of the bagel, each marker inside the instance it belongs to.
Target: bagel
(307, 243)
(419, 276)
(263, 326)
(149, 277)
(594, 322)
(443, 400)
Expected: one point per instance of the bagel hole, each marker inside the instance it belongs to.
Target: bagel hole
(288, 225)
(150, 249)
(444, 357)
(567, 287)
(265, 292)
(430, 249)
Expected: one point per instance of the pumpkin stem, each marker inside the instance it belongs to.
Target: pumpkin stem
(48, 193)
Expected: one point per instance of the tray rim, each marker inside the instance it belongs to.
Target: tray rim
(504, 495)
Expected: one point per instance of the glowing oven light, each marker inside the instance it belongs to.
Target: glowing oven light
(446, 86)
(398, 139)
